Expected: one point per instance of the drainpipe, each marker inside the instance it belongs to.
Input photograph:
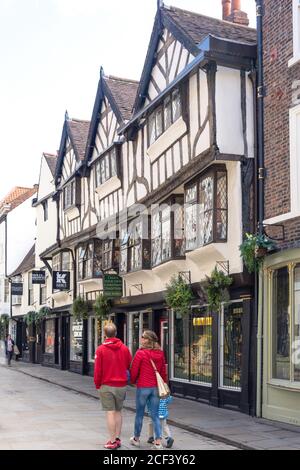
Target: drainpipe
(261, 181)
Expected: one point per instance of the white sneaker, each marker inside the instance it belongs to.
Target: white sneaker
(134, 442)
(157, 447)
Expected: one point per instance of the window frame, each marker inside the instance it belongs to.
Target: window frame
(72, 188)
(45, 210)
(296, 33)
(114, 151)
(213, 171)
(162, 108)
(131, 244)
(93, 260)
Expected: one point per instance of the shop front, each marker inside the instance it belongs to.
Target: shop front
(54, 336)
(281, 344)
(210, 358)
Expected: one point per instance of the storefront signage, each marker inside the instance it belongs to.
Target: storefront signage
(112, 285)
(38, 277)
(202, 321)
(16, 288)
(61, 280)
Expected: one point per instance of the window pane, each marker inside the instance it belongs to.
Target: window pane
(97, 173)
(102, 171)
(166, 239)
(49, 336)
(201, 346)
(135, 333)
(221, 214)
(168, 112)
(281, 325)
(206, 210)
(178, 231)
(152, 132)
(181, 346)
(159, 124)
(176, 104)
(97, 259)
(232, 345)
(191, 226)
(106, 163)
(297, 323)
(191, 194)
(65, 266)
(113, 162)
(76, 340)
(156, 238)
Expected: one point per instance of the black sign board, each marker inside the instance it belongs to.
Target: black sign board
(112, 285)
(16, 288)
(61, 280)
(38, 277)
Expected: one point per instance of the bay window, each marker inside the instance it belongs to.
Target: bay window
(89, 260)
(165, 115)
(106, 167)
(167, 231)
(206, 209)
(135, 246)
(110, 254)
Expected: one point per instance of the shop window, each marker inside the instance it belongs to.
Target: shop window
(95, 337)
(135, 246)
(76, 340)
(281, 325)
(296, 323)
(106, 167)
(206, 209)
(201, 346)
(167, 231)
(231, 346)
(181, 346)
(49, 336)
(164, 116)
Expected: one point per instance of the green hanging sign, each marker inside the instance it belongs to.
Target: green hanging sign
(112, 286)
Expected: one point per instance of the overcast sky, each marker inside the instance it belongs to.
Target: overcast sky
(51, 52)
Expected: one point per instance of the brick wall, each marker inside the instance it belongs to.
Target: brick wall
(278, 50)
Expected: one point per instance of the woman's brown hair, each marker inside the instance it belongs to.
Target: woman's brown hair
(152, 340)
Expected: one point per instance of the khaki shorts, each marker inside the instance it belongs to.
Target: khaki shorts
(112, 398)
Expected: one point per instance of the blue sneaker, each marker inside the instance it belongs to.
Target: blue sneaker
(170, 442)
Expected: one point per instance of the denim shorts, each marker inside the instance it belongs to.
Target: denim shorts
(112, 398)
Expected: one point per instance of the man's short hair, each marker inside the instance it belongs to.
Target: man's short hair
(110, 330)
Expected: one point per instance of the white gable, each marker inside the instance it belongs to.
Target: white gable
(107, 129)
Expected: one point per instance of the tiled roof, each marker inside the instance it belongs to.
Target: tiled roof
(124, 92)
(199, 26)
(51, 160)
(79, 130)
(17, 196)
(27, 264)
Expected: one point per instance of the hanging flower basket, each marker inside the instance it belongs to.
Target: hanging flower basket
(80, 309)
(102, 307)
(42, 314)
(254, 249)
(217, 289)
(179, 295)
(30, 317)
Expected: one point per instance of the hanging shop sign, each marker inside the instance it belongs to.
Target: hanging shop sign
(61, 280)
(38, 277)
(16, 288)
(112, 285)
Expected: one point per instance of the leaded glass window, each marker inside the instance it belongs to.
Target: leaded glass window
(206, 206)
(135, 246)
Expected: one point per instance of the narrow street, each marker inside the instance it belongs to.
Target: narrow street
(40, 416)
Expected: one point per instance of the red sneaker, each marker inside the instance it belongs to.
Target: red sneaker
(111, 445)
(118, 441)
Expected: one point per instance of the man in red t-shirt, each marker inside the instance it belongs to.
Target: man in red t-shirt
(112, 362)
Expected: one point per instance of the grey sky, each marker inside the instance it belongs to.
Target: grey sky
(51, 52)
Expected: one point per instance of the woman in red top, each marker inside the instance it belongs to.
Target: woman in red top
(143, 375)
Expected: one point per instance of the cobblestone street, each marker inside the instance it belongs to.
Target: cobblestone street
(41, 416)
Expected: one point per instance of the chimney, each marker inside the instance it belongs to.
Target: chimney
(236, 15)
(226, 8)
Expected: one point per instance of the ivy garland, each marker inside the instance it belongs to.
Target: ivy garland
(217, 289)
(102, 307)
(179, 295)
(80, 309)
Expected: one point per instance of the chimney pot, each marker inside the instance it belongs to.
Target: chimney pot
(235, 5)
(226, 8)
(236, 16)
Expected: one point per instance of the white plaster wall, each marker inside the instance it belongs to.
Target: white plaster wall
(46, 230)
(46, 182)
(250, 117)
(228, 111)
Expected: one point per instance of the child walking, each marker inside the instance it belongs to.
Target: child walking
(163, 413)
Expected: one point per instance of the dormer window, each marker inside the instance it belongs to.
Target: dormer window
(106, 167)
(165, 115)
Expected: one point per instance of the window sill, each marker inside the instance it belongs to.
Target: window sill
(108, 187)
(294, 60)
(173, 133)
(72, 213)
(285, 385)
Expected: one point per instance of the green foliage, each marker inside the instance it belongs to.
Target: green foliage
(217, 289)
(80, 309)
(179, 295)
(42, 314)
(102, 307)
(253, 250)
(4, 320)
(30, 317)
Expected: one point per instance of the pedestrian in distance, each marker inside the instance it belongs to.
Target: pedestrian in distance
(143, 375)
(9, 349)
(112, 362)
(163, 414)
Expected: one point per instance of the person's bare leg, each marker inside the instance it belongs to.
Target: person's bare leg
(111, 424)
(118, 421)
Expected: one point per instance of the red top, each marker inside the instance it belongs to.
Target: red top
(112, 361)
(142, 372)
